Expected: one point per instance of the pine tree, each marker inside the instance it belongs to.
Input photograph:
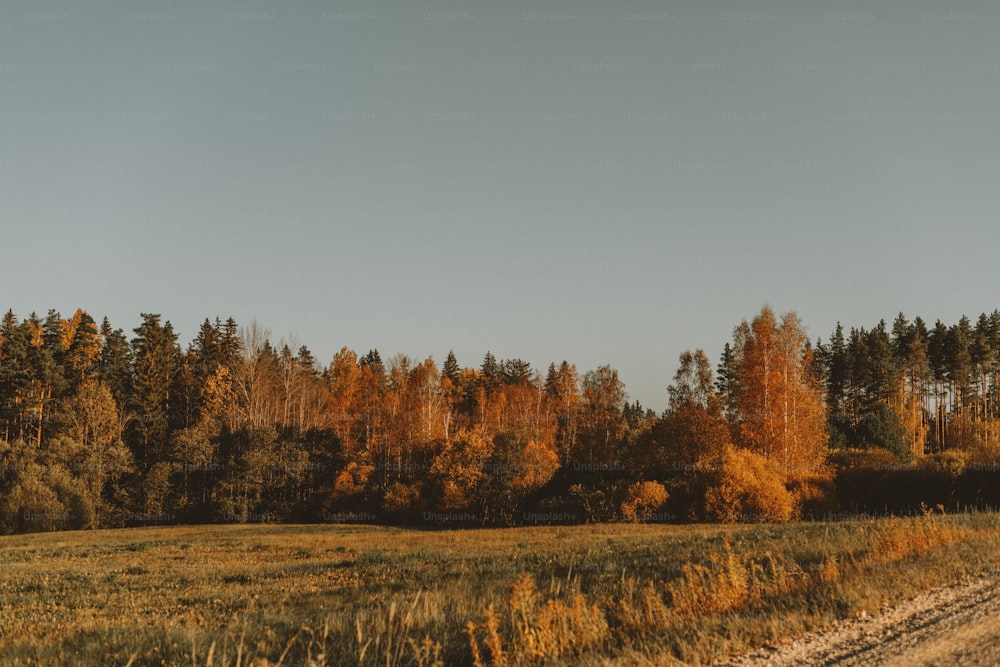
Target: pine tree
(982, 353)
(837, 372)
(490, 372)
(207, 348)
(959, 364)
(937, 352)
(115, 368)
(82, 343)
(725, 373)
(884, 374)
(551, 378)
(15, 375)
(991, 332)
(910, 349)
(47, 362)
(451, 369)
(231, 343)
(452, 389)
(515, 372)
(157, 361)
(373, 361)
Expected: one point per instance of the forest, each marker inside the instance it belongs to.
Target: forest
(105, 429)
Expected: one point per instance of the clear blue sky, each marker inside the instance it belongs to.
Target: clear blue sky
(598, 182)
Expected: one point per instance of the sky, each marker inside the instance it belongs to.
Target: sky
(606, 183)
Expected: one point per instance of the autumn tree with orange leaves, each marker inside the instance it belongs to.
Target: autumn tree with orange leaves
(778, 402)
(104, 430)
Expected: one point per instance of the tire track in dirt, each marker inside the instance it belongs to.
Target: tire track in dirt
(957, 624)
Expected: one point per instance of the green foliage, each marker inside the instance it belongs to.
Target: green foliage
(880, 427)
(156, 358)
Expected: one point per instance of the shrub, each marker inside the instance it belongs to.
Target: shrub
(814, 495)
(643, 498)
(874, 459)
(32, 505)
(978, 440)
(352, 480)
(401, 499)
(744, 487)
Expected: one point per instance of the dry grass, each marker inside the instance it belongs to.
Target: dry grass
(341, 595)
(721, 586)
(898, 539)
(727, 587)
(562, 626)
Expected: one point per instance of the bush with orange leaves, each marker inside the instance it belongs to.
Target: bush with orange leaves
(744, 486)
(352, 480)
(643, 499)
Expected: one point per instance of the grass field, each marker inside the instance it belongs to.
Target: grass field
(350, 595)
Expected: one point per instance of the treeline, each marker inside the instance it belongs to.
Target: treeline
(104, 429)
(915, 389)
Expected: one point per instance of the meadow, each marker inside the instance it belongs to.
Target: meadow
(356, 595)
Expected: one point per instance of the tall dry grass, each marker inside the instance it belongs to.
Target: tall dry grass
(392, 643)
(728, 584)
(372, 596)
(562, 625)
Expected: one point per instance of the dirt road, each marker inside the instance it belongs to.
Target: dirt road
(952, 625)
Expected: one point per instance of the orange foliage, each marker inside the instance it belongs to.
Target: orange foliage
(535, 466)
(458, 467)
(401, 498)
(745, 487)
(352, 480)
(643, 498)
(779, 403)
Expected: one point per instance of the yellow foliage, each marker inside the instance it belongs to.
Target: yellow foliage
(352, 480)
(829, 571)
(978, 440)
(744, 487)
(220, 397)
(898, 539)
(779, 402)
(459, 467)
(910, 412)
(536, 466)
(816, 492)
(642, 499)
(400, 497)
(389, 638)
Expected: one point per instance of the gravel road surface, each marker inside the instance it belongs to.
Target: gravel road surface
(957, 624)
